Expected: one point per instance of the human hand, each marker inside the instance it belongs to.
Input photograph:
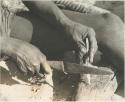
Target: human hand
(79, 33)
(27, 56)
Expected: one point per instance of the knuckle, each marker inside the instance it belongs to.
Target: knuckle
(94, 49)
(91, 31)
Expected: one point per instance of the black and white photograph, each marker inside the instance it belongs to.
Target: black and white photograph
(62, 50)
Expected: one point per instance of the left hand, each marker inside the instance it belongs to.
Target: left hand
(79, 33)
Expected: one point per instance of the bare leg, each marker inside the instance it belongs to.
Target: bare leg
(41, 34)
(108, 28)
(109, 32)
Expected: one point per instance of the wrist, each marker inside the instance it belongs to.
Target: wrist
(67, 25)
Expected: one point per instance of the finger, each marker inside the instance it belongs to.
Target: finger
(46, 66)
(38, 71)
(87, 49)
(80, 52)
(21, 65)
(93, 47)
(79, 55)
(87, 60)
(91, 57)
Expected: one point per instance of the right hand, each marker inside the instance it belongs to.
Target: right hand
(78, 33)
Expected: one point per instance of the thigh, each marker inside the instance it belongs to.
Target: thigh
(36, 30)
(109, 32)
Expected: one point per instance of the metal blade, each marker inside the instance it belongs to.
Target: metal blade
(74, 68)
(86, 69)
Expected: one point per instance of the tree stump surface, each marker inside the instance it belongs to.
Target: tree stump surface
(102, 87)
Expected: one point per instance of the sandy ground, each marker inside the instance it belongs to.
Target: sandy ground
(14, 86)
(13, 82)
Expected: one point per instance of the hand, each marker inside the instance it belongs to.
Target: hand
(28, 57)
(78, 34)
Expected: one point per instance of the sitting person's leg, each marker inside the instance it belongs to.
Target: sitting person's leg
(35, 30)
(108, 28)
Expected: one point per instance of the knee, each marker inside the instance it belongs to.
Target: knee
(112, 19)
(113, 24)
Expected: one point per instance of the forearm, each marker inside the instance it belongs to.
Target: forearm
(50, 12)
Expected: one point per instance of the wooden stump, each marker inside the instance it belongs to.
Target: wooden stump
(14, 86)
(102, 87)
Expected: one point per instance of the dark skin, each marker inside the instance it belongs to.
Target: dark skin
(55, 32)
(105, 36)
(75, 31)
